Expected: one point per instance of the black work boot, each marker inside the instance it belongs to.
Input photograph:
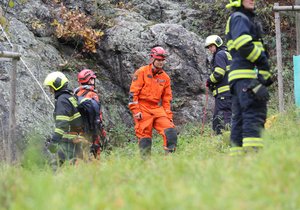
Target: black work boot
(145, 147)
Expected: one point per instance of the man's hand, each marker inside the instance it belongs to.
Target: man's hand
(138, 116)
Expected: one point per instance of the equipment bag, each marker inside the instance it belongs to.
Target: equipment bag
(89, 110)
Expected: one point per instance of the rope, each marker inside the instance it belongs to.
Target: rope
(204, 111)
(32, 75)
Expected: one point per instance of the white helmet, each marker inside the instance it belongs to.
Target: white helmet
(213, 39)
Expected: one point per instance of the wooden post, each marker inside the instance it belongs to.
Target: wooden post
(297, 2)
(277, 9)
(279, 60)
(12, 111)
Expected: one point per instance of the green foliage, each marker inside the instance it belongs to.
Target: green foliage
(200, 175)
(212, 19)
(119, 133)
(33, 156)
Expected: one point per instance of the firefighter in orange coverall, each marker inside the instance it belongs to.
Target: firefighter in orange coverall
(150, 103)
(86, 79)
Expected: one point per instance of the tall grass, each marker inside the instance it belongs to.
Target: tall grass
(200, 175)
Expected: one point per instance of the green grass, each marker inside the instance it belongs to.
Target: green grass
(200, 175)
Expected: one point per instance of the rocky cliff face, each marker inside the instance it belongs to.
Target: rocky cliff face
(124, 48)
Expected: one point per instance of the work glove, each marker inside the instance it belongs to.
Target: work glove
(258, 90)
(207, 84)
(265, 82)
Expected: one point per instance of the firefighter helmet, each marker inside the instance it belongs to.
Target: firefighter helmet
(85, 75)
(213, 39)
(158, 53)
(56, 80)
(234, 3)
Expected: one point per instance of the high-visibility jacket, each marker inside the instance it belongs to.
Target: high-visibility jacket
(150, 90)
(246, 47)
(220, 69)
(67, 118)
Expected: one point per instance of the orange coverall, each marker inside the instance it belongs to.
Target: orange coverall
(151, 95)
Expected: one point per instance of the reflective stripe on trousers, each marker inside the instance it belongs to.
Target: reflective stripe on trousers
(248, 116)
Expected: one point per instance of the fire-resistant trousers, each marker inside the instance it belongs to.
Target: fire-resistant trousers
(154, 118)
(222, 114)
(248, 117)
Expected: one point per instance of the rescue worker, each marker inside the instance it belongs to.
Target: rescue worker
(218, 83)
(150, 103)
(249, 77)
(86, 79)
(66, 142)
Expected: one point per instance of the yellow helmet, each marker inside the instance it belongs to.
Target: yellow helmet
(234, 3)
(213, 39)
(56, 80)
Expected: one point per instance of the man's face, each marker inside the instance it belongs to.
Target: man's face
(159, 63)
(212, 48)
(91, 81)
(249, 4)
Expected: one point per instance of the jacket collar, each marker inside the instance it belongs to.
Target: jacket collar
(249, 13)
(62, 91)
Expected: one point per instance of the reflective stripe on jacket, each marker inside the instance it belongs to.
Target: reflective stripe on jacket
(66, 116)
(220, 69)
(245, 44)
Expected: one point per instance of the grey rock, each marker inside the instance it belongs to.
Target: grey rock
(124, 48)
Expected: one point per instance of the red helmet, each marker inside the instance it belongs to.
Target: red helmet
(158, 53)
(85, 75)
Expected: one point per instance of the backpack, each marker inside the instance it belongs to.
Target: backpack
(89, 110)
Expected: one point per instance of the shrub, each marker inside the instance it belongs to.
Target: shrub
(74, 25)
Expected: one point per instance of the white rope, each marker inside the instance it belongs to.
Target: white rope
(39, 84)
